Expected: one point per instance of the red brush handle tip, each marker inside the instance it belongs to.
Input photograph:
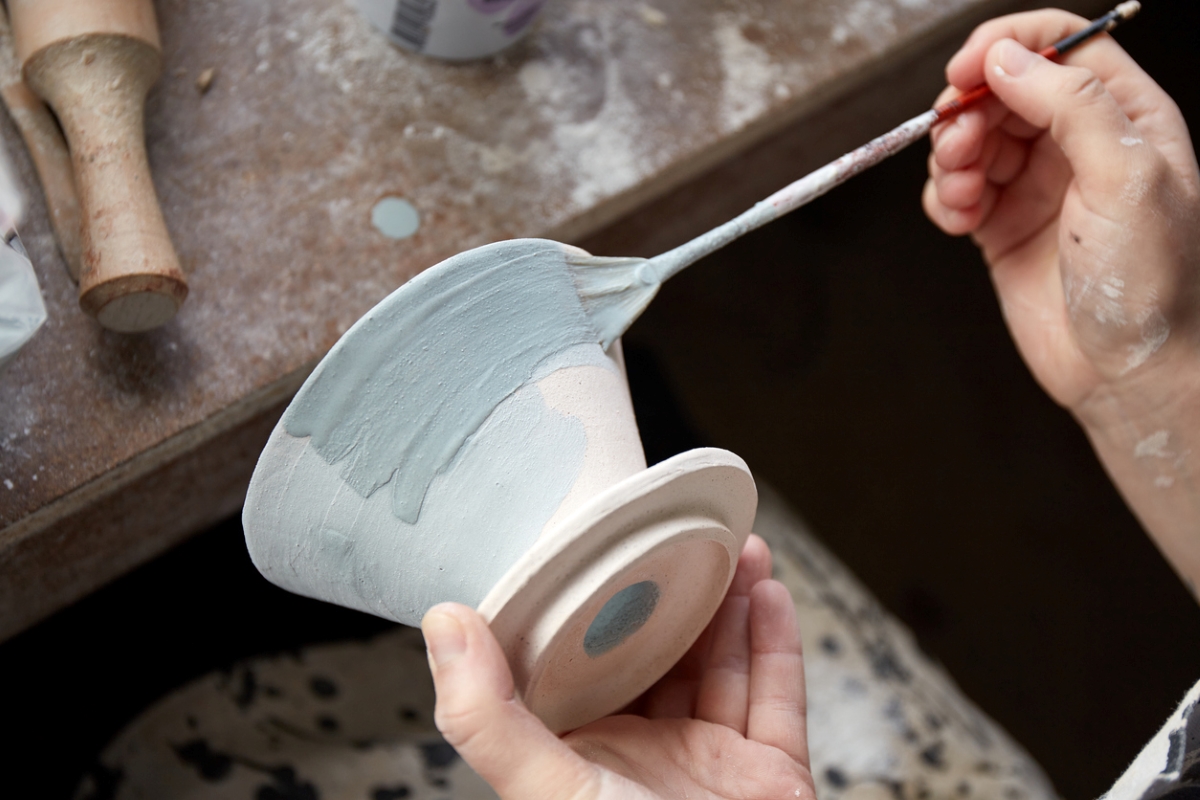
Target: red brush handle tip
(1120, 14)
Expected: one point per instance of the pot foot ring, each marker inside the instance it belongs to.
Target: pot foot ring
(604, 605)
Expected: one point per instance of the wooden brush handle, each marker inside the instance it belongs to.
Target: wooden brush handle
(97, 84)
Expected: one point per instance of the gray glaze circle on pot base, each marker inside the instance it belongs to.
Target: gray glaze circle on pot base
(640, 569)
(621, 617)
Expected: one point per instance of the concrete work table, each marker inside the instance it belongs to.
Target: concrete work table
(113, 447)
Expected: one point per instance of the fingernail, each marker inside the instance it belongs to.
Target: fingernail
(1014, 59)
(444, 637)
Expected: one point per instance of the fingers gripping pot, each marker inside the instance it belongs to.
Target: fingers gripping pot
(469, 440)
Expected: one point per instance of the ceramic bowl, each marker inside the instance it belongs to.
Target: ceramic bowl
(22, 311)
(417, 465)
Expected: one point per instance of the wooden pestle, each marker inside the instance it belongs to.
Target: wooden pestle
(93, 61)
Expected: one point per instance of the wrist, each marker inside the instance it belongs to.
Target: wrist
(1162, 394)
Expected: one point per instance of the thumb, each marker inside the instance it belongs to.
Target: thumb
(481, 718)
(1076, 108)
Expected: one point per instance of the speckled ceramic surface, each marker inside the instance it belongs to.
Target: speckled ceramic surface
(352, 721)
(349, 720)
(883, 719)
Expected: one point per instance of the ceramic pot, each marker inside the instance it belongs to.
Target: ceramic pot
(378, 491)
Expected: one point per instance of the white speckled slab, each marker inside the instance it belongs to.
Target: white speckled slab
(354, 720)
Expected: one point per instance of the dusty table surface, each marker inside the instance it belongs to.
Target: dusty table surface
(268, 180)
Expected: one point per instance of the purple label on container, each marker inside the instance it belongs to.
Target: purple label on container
(490, 6)
(522, 15)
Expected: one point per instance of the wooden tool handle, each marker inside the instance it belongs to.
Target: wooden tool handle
(130, 278)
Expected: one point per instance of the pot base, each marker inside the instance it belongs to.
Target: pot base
(606, 602)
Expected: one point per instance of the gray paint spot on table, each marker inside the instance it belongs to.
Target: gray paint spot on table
(395, 218)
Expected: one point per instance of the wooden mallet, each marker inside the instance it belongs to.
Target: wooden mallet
(93, 61)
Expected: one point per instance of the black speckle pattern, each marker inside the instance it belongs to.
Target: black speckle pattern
(247, 690)
(884, 662)
(208, 763)
(390, 792)
(935, 755)
(880, 714)
(438, 755)
(920, 737)
(323, 687)
(285, 785)
(346, 720)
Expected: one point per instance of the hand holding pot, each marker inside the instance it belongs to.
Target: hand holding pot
(728, 720)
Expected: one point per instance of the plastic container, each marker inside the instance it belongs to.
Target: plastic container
(456, 30)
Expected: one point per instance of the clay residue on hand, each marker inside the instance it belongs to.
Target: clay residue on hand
(1155, 330)
(1154, 446)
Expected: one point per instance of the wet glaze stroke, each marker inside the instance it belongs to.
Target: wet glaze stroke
(484, 335)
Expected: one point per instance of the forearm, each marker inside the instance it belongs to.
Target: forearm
(1147, 435)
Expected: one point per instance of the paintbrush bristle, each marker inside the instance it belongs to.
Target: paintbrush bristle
(614, 291)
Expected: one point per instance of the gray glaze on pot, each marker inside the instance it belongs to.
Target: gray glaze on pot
(434, 395)
(426, 372)
(308, 532)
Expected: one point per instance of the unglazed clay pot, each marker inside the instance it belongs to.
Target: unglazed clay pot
(469, 440)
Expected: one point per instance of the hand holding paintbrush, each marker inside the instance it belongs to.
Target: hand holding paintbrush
(615, 291)
(1082, 190)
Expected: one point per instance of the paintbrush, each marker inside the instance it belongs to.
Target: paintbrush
(615, 291)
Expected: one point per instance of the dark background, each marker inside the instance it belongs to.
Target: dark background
(856, 358)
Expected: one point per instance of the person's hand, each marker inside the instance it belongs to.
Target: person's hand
(728, 721)
(1080, 185)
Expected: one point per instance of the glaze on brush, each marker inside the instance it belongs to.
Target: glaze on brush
(615, 291)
